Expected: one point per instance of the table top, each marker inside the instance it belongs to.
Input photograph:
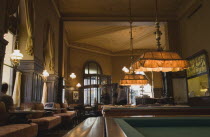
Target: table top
(26, 111)
(54, 109)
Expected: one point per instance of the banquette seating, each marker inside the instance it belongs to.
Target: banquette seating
(66, 116)
(44, 123)
(40, 121)
(15, 130)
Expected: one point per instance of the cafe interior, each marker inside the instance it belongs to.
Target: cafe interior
(104, 68)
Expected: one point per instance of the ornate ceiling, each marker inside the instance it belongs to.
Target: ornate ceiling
(102, 25)
(145, 9)
(113, 36)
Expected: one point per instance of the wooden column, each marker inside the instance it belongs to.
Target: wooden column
(3, 44)
(32, 83)
(52, 88)
(60, 64)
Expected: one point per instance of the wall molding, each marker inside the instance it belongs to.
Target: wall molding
(120, 53)
(56, 8)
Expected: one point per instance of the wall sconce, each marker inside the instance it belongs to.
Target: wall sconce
(73, 76)
(45, 74)
(78, 85)
(15, 57)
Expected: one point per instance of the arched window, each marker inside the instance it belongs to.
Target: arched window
(92, 68)
(92, 73)
(92, 81)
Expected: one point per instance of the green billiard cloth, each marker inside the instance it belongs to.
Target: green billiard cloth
(165, 126)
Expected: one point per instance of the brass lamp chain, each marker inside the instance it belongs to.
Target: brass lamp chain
(158, 33)
(17, 30)
(131, 35)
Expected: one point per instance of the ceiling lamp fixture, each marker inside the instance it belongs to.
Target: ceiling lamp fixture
(73, 76)
(134, 79)
(160, 61)
(16, 56)
(78, 85)
(131, 78)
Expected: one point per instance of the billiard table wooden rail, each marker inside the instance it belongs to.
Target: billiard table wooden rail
(108, 127)
(91, 127)
(155, 111)
(112, 128)
(96, 127)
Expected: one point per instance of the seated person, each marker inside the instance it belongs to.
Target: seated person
(8, 101)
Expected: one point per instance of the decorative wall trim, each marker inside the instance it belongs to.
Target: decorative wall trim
(31, 66)
(56, 8)
(120, 53)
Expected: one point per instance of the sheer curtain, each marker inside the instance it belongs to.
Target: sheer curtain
(17, 88)
(44, 93)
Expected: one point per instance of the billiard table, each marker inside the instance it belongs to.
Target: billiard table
(159, 110)
(158, 127)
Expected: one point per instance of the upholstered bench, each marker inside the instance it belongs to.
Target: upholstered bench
(44, 123)
(67, 117)
(19, 130)
(15, 130)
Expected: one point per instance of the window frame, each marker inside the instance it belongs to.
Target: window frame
(98, 75)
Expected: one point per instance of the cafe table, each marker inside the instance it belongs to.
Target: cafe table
(24, 114)
(54, 109)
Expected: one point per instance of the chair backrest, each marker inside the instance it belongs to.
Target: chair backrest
(33, 106)
(27, 106)
(64, 106)
(58, 106)
(38, 106)
(2, 107)
(3, 114)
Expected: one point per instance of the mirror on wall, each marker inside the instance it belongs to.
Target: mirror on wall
(198, 75)
(198, 86)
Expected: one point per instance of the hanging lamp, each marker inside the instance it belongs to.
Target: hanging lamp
(16, 56)
(130, 77)
(160, 61)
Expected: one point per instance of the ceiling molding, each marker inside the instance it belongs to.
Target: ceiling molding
(188, 8)
(102, 51)
(109, 19)
(90, 50)
(56, 8)
(100, 32)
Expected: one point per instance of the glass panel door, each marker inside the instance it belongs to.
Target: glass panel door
(93, 96)
(86, 96)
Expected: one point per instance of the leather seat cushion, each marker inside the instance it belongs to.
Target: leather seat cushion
(19, 130)
(45, 123)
